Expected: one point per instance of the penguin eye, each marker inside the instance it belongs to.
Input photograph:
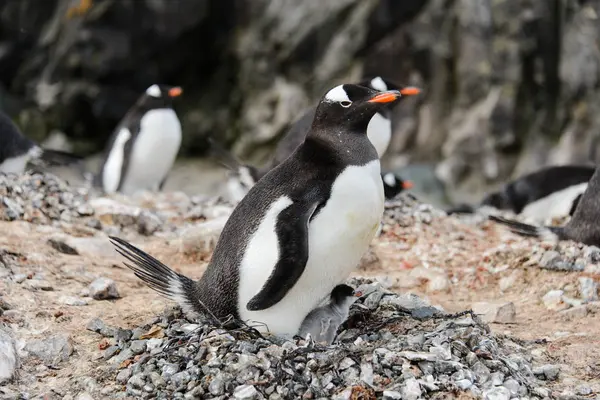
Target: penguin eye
(346, 104)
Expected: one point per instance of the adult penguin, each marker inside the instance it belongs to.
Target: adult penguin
(299, 231)
(144, 145)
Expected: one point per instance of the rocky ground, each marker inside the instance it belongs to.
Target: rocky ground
(76, 324)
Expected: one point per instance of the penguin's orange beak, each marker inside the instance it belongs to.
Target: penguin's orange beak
(407, 184)
(385, 97)
(176, 91)
(410, 91)
(358, 293)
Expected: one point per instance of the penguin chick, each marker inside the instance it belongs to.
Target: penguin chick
(144, 145)
(582, 227)
(16, 150)
(299, 232)
(394, 185)
(322, 322)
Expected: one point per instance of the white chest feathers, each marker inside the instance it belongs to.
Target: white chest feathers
(556, 205)
(379, 132)
(17, 164)
(152, 154)
(337, 239)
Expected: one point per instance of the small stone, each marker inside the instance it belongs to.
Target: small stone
(463, 384)
(588, 289)
(137, 381)
(346, 363)
(103, 289)
(73, 301)
(391, 395)
(217, 385)
(52, 350)
(124, 375)
(95, 325)
(513, 386)
(153, 343)
(418, 356)
(583, 390)
(110, 352)
(411, 390)
(548, 372)
(497, 378)
(481, 372)
(245, 392)
(122, 356)
(553, 300)
(575, 312)
(138, 346)
(122, 334)
(366, 373)
(181, 378)
(497, 393)
(148, 223)
(84, 396)
(202, 238)
(503, 313)
(19, 278)
(9, 357)
(38, 284)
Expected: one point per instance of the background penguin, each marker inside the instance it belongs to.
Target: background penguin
(144, 145)
(583, 227)
(394, 185)
(299, 232)
(548, 193)
(322, 322)
(16, 150)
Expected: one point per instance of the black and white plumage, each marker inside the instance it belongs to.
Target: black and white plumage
(322, 322)
(379, 132)
(17, 151)
(583, 226)
(393, 185)
(144, 145)
(299, 231)
(551, 192)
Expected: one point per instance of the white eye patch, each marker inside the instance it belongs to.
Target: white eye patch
(389, 179)
(379, 84)
(338, 95)
(153, 91)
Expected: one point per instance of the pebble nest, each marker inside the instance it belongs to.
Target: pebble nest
(391, 347)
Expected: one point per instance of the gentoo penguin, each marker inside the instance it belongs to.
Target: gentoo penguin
(16, 150)
(299, 231)
(583, 227)
(322, 322)
(545, 194)
(393, 185)
(144, 145)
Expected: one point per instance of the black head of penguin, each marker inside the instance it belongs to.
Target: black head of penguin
(158, 96)
(342, 292)
(349, 108)
(393, 185)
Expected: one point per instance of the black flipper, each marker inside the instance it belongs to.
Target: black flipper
(161, 278)
(292, 232)
(544, 232)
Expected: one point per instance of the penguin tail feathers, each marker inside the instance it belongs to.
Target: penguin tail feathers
(161, 278)
(551, 233)
(57, 157)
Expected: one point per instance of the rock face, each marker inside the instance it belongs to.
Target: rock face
(509, 85)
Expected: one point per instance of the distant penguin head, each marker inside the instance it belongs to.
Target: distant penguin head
(393, 184)
(381, 84)
(499, 200)
(352, 106)
(158, 95)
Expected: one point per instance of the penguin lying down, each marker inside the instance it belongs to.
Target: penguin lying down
(583, 227)
(17, 151)
(299, 232)
(551, 192)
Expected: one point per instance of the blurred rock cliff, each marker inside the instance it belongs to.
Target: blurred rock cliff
(509, 85)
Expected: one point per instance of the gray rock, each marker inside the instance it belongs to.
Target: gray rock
(583, 390)
(391, 395)
(497, 393)
(481, 372)
(138, 346)
(463, 384)
(513, 386)
(181, 378)
(103, 289)
(137, 381)
(497, 378)
(52, 350)
(553, 300)
(495, 312)
(73, 301)
(9, 357)
(245, 392)
(122, 335)
(39, 284)
(110, 352)
(588, 289)
(19, 278)
(548, 372)
(217, 385)
(84, 396)
(411, 390)
(148, 223)
(124, 375)
(122, 356)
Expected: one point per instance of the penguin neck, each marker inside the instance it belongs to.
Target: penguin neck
(338, 144)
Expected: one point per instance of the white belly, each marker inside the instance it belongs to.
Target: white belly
(338, 237)
(379, 132)
(154, 151)
(16, 165)
(556, 205)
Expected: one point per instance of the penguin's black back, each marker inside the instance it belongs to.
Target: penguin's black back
(584, 226)
(309, 173)
(12, 142)
(537, 185)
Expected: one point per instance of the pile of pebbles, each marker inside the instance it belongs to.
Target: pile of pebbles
(40, 198)
(391, 347)
(406, 210)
